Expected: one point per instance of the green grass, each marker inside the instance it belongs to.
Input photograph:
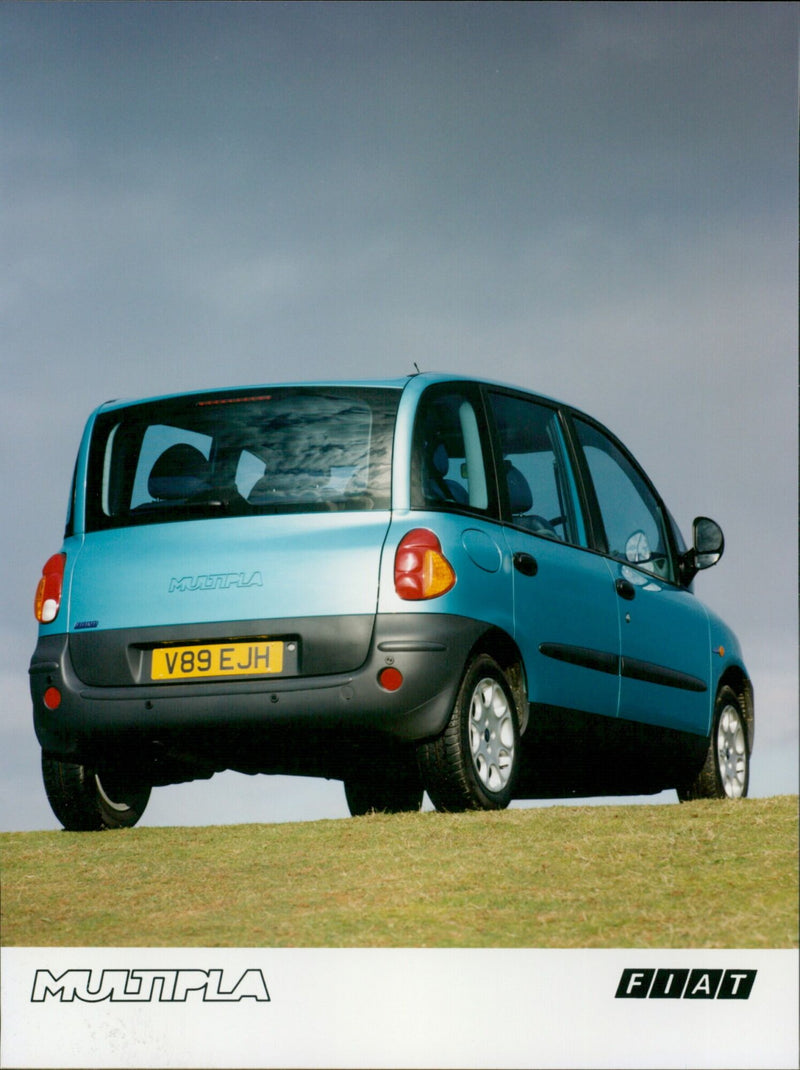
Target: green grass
(703, 874)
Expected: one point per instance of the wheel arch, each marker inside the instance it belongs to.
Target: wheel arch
(740, 683)
(500, 646)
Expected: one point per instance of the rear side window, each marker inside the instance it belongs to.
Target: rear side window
(448, 461)
(286, 450)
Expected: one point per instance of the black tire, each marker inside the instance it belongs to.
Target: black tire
(474, 763)
(83, 802)
(365, 797)
(726, 770)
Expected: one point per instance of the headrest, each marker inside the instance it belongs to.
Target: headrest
(440, 460)
(179, 472)
(519, 492)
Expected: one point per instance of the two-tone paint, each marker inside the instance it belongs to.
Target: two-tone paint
(599, 652)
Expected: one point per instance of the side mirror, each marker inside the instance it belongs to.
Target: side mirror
(709, 544)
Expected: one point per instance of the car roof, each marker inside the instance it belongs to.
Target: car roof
(420, 379)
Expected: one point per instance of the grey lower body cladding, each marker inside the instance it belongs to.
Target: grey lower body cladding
(326, 715)
(314, 719)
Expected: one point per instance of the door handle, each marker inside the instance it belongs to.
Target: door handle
(625, 590)
(525, 563)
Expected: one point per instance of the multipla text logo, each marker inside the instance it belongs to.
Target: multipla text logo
(148, 986)
(218, 581)
(686, 984)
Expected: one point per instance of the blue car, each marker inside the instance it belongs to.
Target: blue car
(425, 584)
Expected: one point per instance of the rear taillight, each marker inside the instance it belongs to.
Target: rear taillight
(420, 568)
(48, 593)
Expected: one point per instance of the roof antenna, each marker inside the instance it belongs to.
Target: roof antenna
(416, 366)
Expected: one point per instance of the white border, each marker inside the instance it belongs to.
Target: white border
(404, 1008)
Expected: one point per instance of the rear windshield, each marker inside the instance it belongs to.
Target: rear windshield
(285, 450)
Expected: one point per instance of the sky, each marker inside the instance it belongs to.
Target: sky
(595, 201)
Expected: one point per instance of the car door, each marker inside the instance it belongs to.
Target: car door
(665, 647)
(565, 606)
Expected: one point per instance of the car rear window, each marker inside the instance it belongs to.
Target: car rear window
(278, 450)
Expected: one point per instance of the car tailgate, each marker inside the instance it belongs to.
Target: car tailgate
(162, 579)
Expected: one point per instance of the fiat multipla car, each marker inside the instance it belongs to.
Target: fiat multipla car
(425, 584)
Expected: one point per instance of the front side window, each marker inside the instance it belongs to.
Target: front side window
(631, 516)
(448, 466)
(533, 468)
(286, 450)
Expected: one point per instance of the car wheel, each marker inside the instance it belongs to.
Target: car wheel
(367, 797)
(473, 764)
(726, 771)
(83, 802)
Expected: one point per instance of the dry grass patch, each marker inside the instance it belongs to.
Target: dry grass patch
(703, 874)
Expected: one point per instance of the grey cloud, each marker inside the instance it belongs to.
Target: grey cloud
(594, 200)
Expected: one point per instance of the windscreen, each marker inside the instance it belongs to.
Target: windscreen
(282, 450)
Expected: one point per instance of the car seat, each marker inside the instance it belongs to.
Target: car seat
(437, 487)
(180, 472)
(521, 502)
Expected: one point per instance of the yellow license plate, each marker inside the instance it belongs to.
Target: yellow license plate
(255, 657)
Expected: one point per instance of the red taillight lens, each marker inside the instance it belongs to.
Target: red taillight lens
(48, 593)
(420, 568)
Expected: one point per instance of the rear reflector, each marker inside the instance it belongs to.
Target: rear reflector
(420, 568)
(390, 679)
(52, 698)
(48, 593)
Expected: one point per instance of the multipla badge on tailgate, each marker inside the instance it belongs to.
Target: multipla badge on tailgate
(250, 658)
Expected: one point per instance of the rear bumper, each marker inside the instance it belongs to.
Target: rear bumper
(279, 724)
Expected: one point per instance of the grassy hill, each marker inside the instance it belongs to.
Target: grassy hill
(703, 874)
